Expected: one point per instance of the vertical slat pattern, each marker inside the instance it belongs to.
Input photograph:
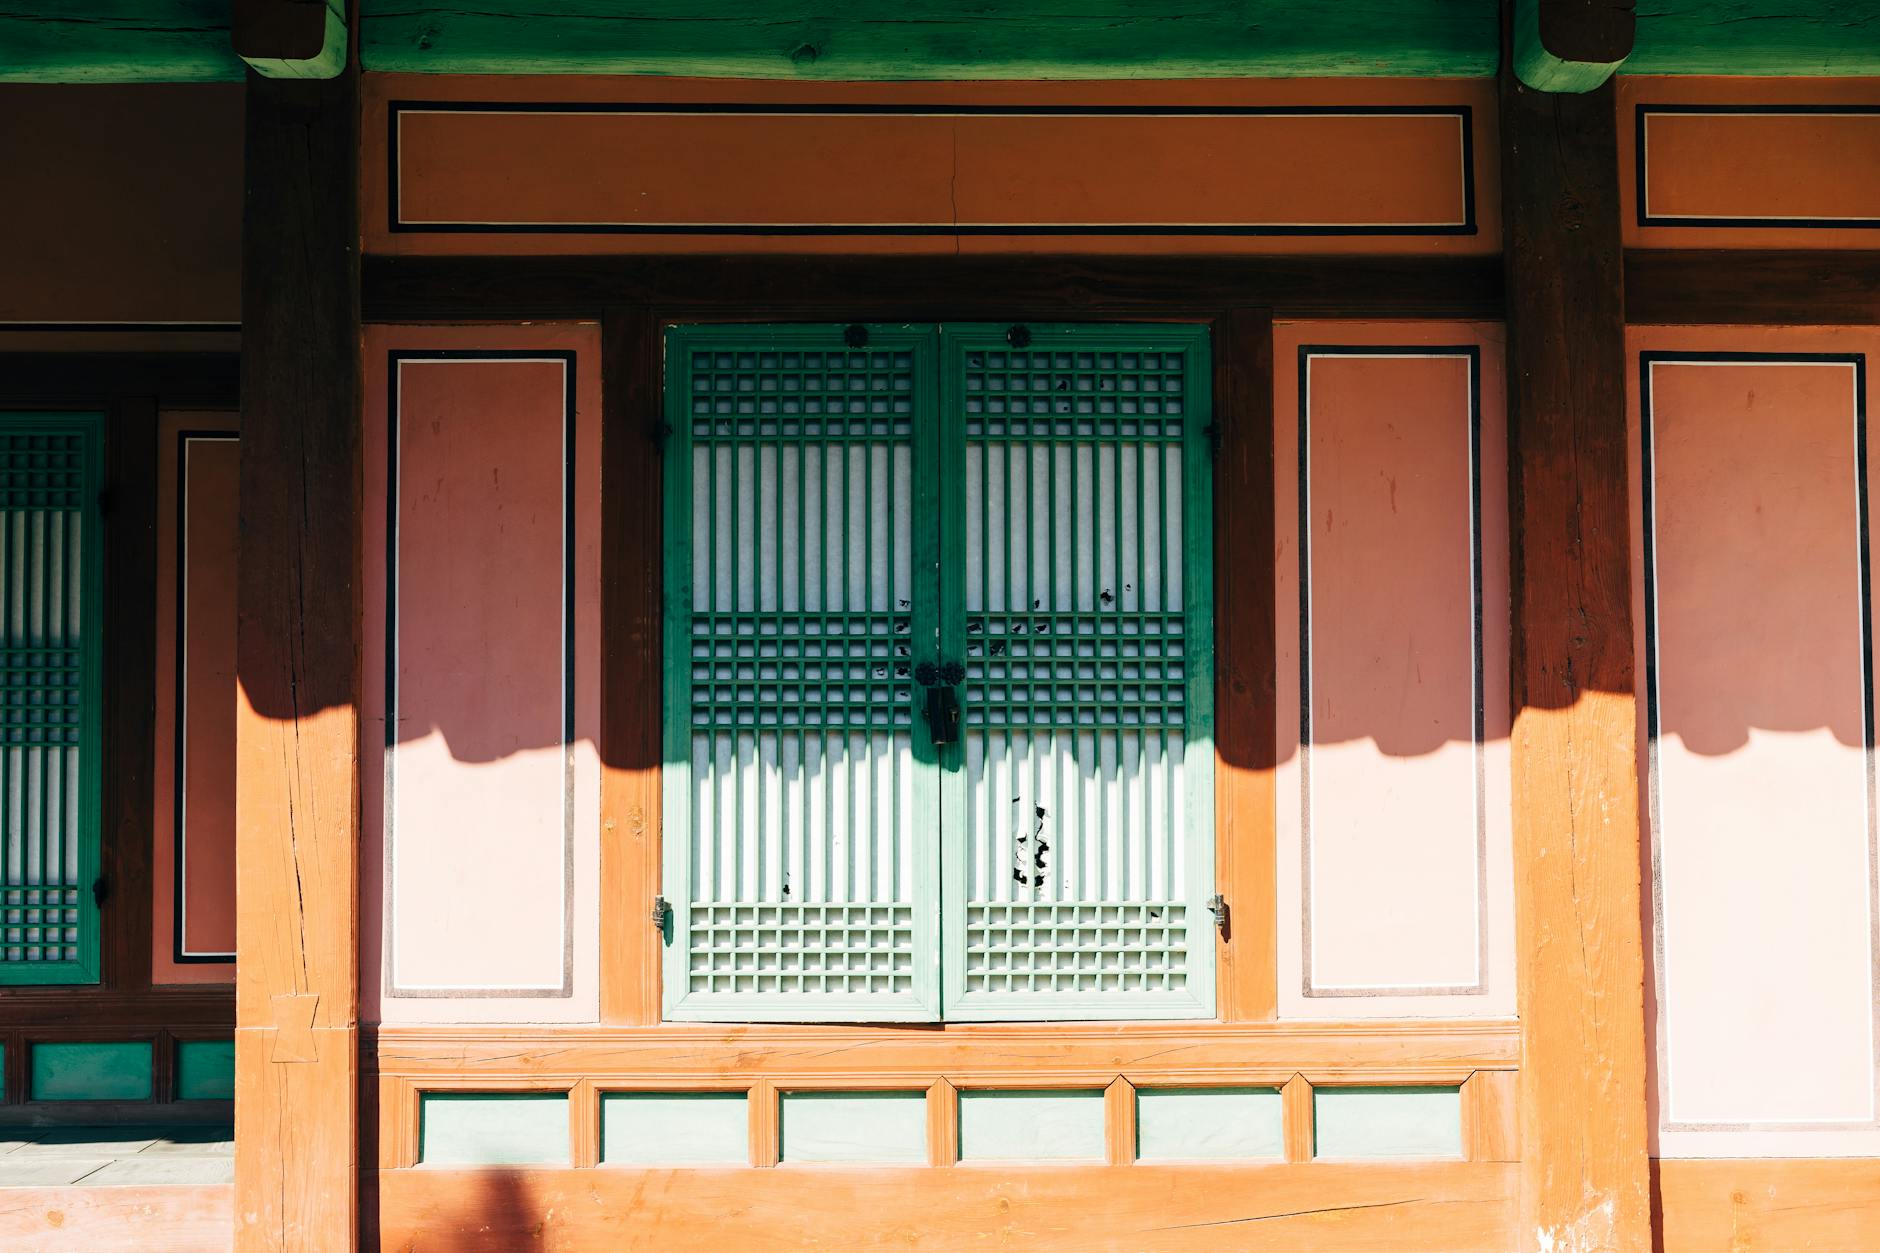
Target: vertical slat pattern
(1077, 829)
(48, 696)
(799, 667)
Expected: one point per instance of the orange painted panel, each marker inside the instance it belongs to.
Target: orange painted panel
(480, 804)
(1755, 658)
(1739, 163)
(674, 165)
(1392, 608)
(193, 938)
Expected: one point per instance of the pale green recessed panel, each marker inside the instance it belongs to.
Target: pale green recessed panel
(1387, 1122)
(1042, 1126)
(493, 1129)
(675, 1129)
(205, 1070)
(1208, 1124)
(117, 1071)
(879, 1128)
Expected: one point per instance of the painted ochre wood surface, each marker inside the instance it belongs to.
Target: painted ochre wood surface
(297, 648)
(1581, 972)
(1461, 1207)
(115, 1220)
(1748, 1205)
(607, 166)
(1750, 163)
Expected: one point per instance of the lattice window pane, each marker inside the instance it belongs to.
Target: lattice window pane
(1084, 855)
(49, 647)
(806, 891)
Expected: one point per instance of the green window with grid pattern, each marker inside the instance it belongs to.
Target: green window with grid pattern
(939, 673)
(51, 595)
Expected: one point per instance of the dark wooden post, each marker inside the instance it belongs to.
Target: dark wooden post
(297, 660)
(1585, 1183)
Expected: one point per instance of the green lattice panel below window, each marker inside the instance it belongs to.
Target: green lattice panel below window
(50, 598)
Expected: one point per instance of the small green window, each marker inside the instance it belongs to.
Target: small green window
(939, 677)
(51, 595)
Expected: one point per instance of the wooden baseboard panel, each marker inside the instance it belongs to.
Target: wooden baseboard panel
(1458, 1207)
(110, 1220)
(1744, 1203)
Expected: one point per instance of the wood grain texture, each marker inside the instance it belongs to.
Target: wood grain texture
(115, 1220)
(1698, 287)
(297, 663)
(130, 681)
(117, 41)
(937, 39)
(1747, 1204)
(1822, 37)
(1245, 761)
(631, 573)
(1576, 830)
(755, 289)
(1015, 1054)
(1459, 1207)
(1571, 45)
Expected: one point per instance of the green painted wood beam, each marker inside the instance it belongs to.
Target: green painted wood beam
(1570, 45)
(116, 41)
(937, 39)
(291, 38)
(1784, 38)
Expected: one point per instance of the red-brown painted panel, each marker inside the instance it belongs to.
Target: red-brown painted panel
(193, 937)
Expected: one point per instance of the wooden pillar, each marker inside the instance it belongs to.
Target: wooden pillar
(297, 660)
(1583, 1149)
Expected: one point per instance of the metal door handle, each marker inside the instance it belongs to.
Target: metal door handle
(941, 686)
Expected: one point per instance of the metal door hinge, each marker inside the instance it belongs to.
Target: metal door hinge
(100, 890)
(1217, 905)
(662, 912)
(1213, 431)
(660, 433)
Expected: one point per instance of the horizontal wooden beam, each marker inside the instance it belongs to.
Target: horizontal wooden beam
(210, 378)
(66, 1013)
(116, 41)
(935, 39)
(1812, 38)
(1461, 1207)
(1693, 287)
(1427, 1052)
(422, 288)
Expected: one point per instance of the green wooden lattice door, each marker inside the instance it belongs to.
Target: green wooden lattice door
(50, 595)
(837, 515)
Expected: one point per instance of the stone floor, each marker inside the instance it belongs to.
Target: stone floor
(47, 1157)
